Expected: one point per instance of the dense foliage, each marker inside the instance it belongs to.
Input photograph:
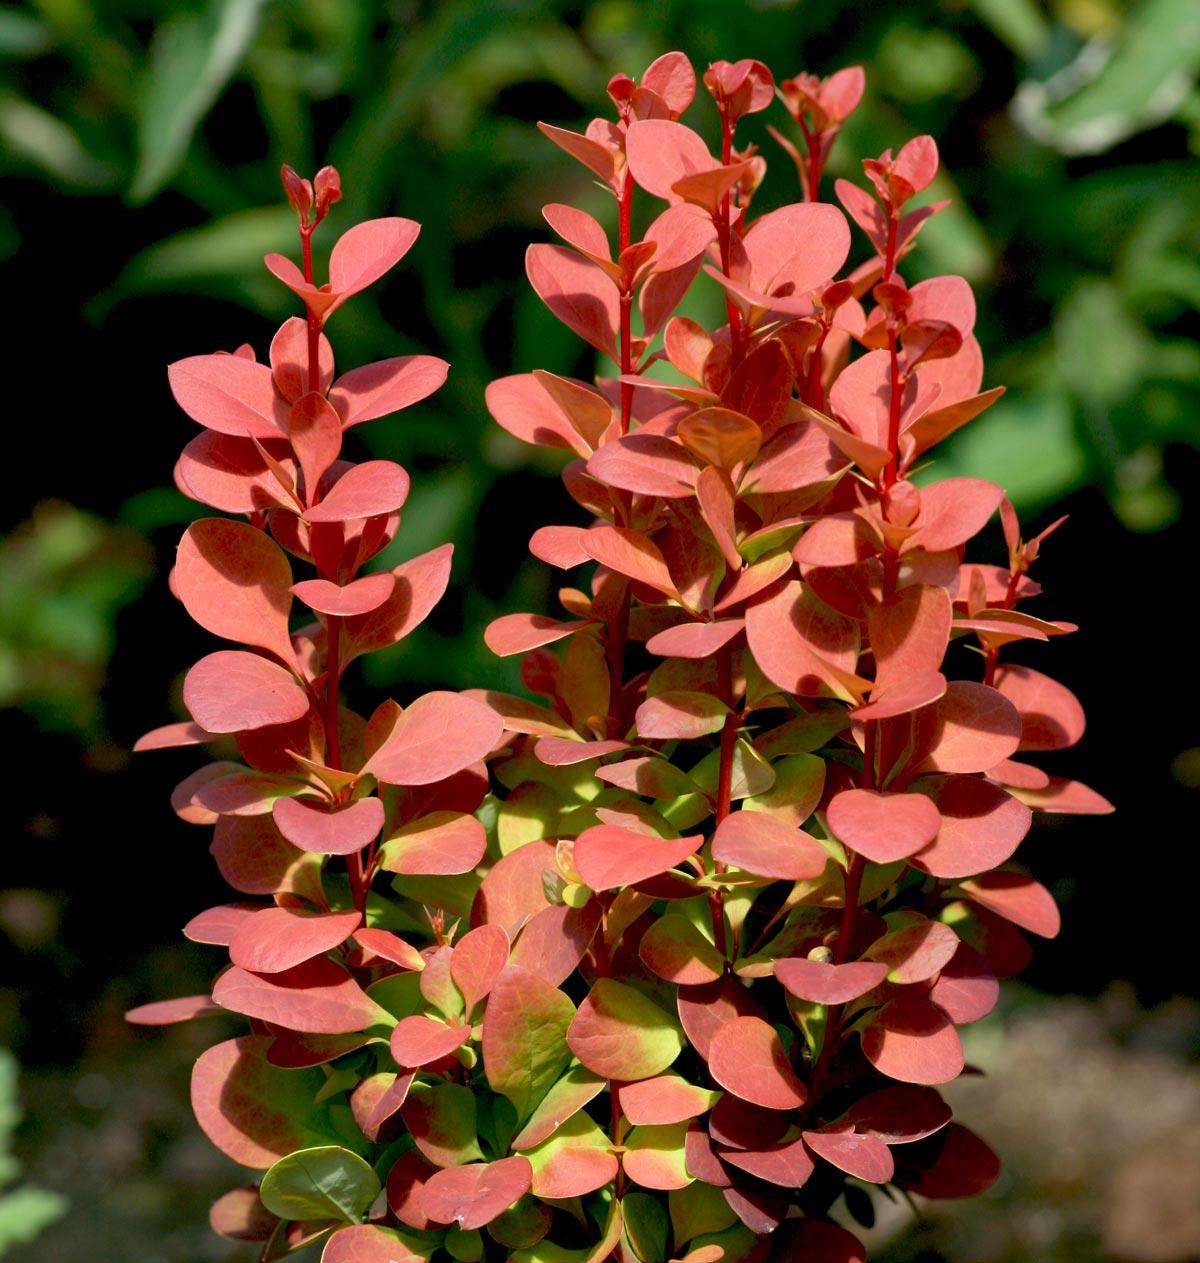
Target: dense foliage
(670, 965)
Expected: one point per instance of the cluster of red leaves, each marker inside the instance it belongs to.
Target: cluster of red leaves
(679, 969)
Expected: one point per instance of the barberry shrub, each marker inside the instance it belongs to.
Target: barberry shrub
(669, 965)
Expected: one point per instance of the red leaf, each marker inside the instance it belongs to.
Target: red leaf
(797, 248)
(680, 234)
(364, 253)
(630, 553)
(522, 405)
(478, 958)
(672, 78)
(374, 488)
(704, 1010)
(762, 1211)
(952, 512)
(578, 292)
(232, 691)
(579, 229)
(912, 1040)
(168, 1012)
(172, 736)
(694, 640)
(253, 1112)
(276, 939)
(378, 1099)
(883, 827)
(970, 728)
(236, 583)
(513, 891)
(218, 925)
(746, 1057)
(864, 1157)
(596, 157)
(405, 1184)
(240, 1215)
(473, 1195)
(674, 949)
(1051, 716)
(555, 939)
(1018, 899)
(309, 824)
(563, 752)
(255, 858)
(899, 1115)
(660, 153)
(230, 395)
(230, 474)
(825, 983)
(903, 697)
(819, 1242)
(666, 1098)
(558, 546)
(608, 857)
(1066, 797)
(677, 714)
(419, 586)
(909, 633)
(648, 464)
(375, 390)
(916, 950)
(420, 1041)
(318, 997)
(760, 844)
(982, 826)
(368, 1243)
(966, 989)
(795, 638)
(518, 633)
(796, 456)
(440, 844)
(315, 431)
(963, 1166)
(438, 735)
(289, 360)
(360, 596)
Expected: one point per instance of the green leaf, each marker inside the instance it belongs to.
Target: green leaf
(548, 1252)
(193, 58)
(621, 1034)
(466, 1247)
(525, 1038)
(25, 1212)
(646, 1226)
(323, 1183)
(1027, 444)
(40, 139)
(565, 1099)
(799, 780)
(697, 1209)
(1150, 71)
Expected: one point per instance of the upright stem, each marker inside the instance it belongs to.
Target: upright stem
(356, 865)
(624, 232)
(724, 228)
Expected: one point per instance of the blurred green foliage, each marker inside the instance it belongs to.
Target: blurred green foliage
(25, 1210)
(64, 575)
(1068, 128)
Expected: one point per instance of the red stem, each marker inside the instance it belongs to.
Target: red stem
(734, 315)
(624, 230)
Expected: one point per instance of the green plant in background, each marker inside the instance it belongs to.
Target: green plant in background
(64, 575)
(24, 1211)
(1069, 124)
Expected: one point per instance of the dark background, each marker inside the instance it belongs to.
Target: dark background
(140, 144)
